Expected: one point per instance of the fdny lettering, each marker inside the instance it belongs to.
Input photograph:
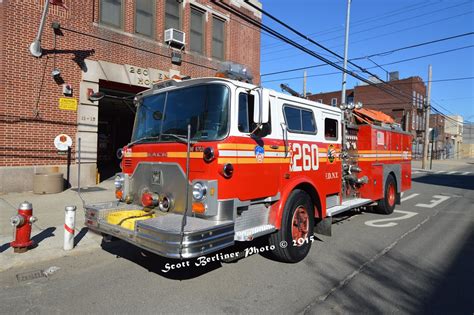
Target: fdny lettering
(157, 154)
(304, 157)
(332, 175)
(197, 149)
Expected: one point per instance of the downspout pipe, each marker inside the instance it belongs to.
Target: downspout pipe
(35, 46)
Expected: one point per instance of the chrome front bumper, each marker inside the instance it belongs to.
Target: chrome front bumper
(162, 235)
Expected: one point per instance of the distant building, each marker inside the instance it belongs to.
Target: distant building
(467, 145)
(454, 129)
(118, 47)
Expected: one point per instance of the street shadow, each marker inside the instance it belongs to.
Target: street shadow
(80, 235)
(4, 247)
(451, 180)
(191, 268)
(400, 283)
(158, 264)
(44, 234)
(454, 290)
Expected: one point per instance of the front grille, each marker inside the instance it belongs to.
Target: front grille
(127, 162)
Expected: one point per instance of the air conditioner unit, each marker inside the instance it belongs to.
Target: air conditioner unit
(175, 37)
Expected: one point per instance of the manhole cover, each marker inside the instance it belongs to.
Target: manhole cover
(31, 275)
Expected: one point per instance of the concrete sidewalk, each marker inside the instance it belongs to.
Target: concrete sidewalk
(443, 165)
(48, 232)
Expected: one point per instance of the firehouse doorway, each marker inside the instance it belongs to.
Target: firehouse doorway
(116, 117)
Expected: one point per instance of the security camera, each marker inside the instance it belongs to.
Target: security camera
(55, 73)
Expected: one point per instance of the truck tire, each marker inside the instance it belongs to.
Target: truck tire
(387, 203)
(297, 224)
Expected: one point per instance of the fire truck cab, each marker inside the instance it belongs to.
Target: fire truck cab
(213, 161)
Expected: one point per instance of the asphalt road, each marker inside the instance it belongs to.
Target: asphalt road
(417, 260)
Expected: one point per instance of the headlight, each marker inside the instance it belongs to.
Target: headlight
(199, 191)
(118, 182)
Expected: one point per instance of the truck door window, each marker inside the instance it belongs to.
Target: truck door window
(246, 106)
(299, 120)
(330, 129)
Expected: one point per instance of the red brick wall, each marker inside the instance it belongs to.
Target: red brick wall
(30, 117)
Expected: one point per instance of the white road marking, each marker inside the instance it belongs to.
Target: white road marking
(408, 197)
(378, 223)
(453, 172)
(434, 202)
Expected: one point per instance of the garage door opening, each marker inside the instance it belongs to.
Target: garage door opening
(116, 117)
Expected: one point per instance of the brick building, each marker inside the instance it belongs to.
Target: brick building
(113, 46)
(405, 104)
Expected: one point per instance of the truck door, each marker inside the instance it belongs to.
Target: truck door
(258, 155)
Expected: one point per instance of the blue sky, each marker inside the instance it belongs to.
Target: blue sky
(376, 26)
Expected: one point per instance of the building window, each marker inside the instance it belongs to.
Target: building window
(197, 30)
(334, 101)
(145, 17)
(330, 129)
(111, 12)
(172, 15)
(217, 38)
(299, 120)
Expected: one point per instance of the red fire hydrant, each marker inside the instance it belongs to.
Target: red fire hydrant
(22, 228)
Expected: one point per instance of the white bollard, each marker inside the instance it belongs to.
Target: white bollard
(69, 223)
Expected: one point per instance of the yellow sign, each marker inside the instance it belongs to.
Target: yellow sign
(67, 103)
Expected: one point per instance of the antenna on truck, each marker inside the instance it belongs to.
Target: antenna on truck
(286, 87)
(184, 219)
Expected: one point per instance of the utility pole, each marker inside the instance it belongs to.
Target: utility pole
(346, 48)
(424, 163)
(304, 84)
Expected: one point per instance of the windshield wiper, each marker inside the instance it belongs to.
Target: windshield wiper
(176, 137)
(181, 139)
(143, 139)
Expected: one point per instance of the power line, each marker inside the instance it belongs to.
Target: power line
(286, 39)
(319, 45)
(381, 35)
(385, 24)
(377, 54)
(385, 64)
(416, 45)
(429, 55)
(362, 21)
(310, 52)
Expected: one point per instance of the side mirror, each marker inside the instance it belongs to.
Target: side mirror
(261, 114)
(265, 105)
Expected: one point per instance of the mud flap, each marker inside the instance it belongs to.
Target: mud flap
(398, 198)
(324, 226)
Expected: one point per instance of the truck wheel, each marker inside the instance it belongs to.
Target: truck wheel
(387, 204)
(293, 241)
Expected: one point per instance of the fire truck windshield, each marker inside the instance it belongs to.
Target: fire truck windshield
(165, 116)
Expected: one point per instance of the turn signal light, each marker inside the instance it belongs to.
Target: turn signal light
(119, 194)
(199, 207)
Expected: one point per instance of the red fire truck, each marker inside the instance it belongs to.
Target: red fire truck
(215, 160)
